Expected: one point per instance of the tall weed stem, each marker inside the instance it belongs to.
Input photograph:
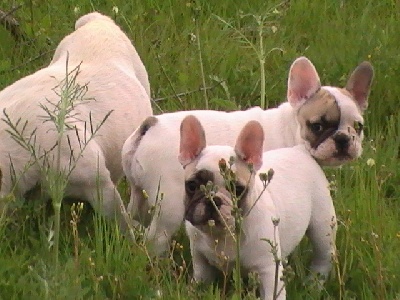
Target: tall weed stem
(199, 49)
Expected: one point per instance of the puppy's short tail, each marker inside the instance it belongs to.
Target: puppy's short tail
(132, 144)
(144, 127)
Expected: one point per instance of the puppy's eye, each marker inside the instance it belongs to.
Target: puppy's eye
(239, 190)
(358, 127)
(236, 189)
(316, 127)
(191, 186)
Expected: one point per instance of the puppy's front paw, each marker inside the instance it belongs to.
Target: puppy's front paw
(315, 281)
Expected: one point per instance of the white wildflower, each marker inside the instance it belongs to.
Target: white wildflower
(370, 162)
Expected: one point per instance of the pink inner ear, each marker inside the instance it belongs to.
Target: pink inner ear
(303, 81)
(249, 145)
(360, 95)
(192, 140)
(359, 84)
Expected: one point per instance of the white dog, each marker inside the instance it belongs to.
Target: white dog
(328, 120)
(297, 196)
(117, 84)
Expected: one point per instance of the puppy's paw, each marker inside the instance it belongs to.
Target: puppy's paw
(315, 281)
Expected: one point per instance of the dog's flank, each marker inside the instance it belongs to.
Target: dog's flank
(327, 120)
(298, 197)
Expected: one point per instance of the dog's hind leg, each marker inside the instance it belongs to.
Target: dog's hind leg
(267, 279)
(202, 270)
(92, 181)
(322, 234)
(138, 207)
(167, 217)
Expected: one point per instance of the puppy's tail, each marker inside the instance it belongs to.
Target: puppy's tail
(132, 143)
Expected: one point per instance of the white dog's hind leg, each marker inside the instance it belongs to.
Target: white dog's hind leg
(106, 200)
(267, 278)
(202, 270)
(160, 232)
(167, 217)
(138, 207)
(91, 180)
(322, 234)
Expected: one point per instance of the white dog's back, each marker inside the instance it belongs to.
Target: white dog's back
(112, 40)
(97, 55)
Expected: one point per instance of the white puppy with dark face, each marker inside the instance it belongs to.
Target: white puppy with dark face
(117, 84)
(327, 120)
(297, 195)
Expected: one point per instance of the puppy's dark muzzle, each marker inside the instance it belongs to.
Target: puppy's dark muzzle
(200, 210)
(217, 202)
(342, 143)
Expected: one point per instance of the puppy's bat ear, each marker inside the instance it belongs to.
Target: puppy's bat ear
(359, 84)
(193, 140)
(249, 144)
(303, 81)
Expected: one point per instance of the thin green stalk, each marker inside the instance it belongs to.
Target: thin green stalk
(230, 179)
(237, 275)
(201, 63)
(259, 51)
(60, 178)
(277, 265)
(31, 17)
(261, 57)
(57, 221)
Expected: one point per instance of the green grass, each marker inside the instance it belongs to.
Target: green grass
(96, 262)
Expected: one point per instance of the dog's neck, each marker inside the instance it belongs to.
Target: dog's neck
(253, 197)
(281, 126)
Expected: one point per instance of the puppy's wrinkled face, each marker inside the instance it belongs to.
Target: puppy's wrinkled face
(331, 124)
(212, 211)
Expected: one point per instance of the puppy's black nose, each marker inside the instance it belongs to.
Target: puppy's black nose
(341, 141)
(217, 201)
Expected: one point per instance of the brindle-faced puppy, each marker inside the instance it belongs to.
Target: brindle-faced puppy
(297, 196)
(328, 120)
(331, 122)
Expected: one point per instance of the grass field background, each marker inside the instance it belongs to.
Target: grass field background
(198, 50)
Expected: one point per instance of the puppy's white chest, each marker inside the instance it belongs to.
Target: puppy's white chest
(220, 252)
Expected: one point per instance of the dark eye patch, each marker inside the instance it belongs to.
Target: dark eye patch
(316, 127)
(237, 189)
(358, 127)
(202, 177)
(191, 186)
(322, 130)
